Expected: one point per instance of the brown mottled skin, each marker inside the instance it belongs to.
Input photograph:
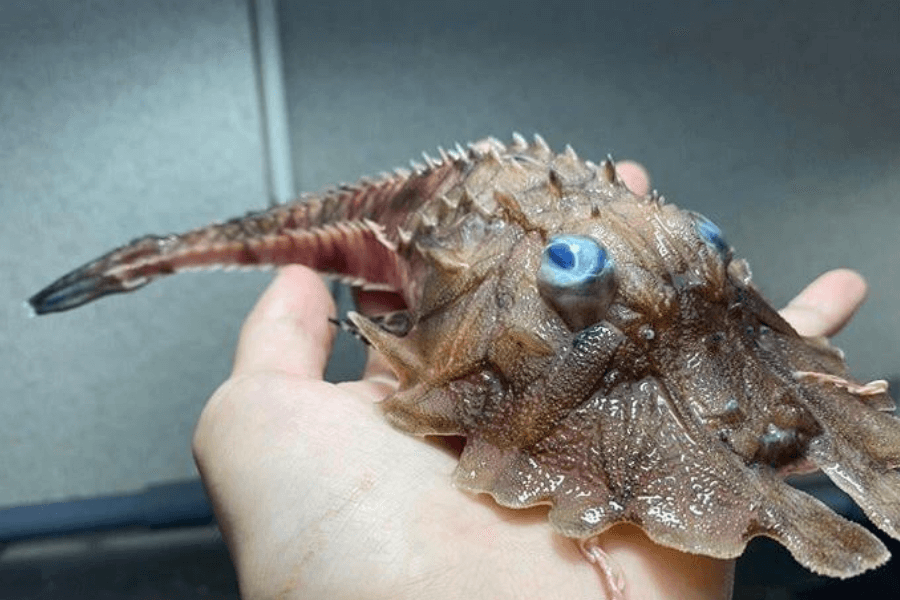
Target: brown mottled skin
(672, 396)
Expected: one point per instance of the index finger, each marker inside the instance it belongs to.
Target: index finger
(288, 329)
(826, 304)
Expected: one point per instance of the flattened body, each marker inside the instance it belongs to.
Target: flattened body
(602, 353)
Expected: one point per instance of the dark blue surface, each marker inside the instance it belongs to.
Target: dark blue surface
(561, 255)
(169, 505)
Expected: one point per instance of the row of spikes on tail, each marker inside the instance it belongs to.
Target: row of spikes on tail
(352, 231)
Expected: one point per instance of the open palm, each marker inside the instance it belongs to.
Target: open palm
(319, 498)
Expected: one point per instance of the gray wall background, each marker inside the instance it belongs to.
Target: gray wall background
(117, 118)
(778, 121)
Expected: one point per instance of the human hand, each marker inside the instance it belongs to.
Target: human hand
(318, 497)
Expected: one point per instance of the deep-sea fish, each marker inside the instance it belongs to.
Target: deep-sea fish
(601, 352)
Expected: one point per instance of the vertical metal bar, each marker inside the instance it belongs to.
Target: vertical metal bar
(272, 99)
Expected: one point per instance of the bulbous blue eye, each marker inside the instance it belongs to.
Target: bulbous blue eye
(572, 260)
(561, 255)
(576, 279)
(710, 233)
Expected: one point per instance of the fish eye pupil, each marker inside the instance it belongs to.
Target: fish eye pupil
(561, 255)
(711, 233)
(577, 279)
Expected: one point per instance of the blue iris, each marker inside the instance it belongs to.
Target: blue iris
(577, 280)
(711, 234)
(561, 255)
(571, 261)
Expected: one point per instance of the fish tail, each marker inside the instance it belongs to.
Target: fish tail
(324, 234)
(352, 232)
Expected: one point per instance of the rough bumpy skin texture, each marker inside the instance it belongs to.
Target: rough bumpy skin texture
(658, 388)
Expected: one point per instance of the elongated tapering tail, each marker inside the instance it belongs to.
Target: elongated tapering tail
(308, 233)
(350, 232)
(93, 280)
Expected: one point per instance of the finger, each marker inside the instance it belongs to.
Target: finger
(288, 329)
(826, 304)
(635, 176)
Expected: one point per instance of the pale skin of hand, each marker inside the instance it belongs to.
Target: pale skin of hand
(318, 497)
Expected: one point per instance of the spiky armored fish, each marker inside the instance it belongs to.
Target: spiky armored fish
(601, 352)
